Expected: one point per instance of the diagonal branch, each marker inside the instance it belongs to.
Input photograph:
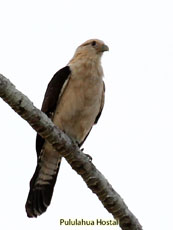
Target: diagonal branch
(70, 151)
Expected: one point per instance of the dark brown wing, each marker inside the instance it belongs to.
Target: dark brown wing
(51, 98)
(40, 194)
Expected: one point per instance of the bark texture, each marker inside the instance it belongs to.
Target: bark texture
(110, 199)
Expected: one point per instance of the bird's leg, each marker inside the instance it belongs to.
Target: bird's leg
(78, 144)
(89, 157)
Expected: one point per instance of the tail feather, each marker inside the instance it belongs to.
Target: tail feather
(41, 187)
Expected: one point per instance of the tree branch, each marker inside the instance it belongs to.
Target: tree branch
(110, 199)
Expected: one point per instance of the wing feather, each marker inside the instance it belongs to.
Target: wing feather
(53, 92)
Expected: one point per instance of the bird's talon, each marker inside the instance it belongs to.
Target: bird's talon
(89, 157)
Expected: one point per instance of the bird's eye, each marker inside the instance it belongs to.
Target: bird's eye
(93, 43)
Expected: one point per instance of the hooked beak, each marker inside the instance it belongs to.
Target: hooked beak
(105, 48)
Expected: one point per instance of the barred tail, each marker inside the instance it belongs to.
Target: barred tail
(42, 185)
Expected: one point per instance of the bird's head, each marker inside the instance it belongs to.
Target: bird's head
(94, 46)
(91, 49)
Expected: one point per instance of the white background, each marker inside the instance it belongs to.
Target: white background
(132, 145)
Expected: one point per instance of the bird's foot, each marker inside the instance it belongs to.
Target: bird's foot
(89, 157)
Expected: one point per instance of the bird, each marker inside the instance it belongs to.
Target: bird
(74, 101)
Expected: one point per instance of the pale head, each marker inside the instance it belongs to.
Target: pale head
(91, 49)
(94, 45)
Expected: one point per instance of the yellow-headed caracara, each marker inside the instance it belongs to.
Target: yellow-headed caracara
(74, 101)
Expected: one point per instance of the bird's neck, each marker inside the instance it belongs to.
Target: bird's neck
(86, 65)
